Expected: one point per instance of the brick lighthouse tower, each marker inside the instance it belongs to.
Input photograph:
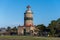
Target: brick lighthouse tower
(28, 17)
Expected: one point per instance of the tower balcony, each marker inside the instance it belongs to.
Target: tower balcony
(28, 18)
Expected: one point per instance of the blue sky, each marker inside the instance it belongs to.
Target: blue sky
(12, 11)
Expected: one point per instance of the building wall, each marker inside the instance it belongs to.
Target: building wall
(20, 30)
(28, 30)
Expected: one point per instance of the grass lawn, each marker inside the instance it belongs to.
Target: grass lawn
(27, 38)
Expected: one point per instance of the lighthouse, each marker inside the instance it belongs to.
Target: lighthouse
(28, 17)
(28, 27)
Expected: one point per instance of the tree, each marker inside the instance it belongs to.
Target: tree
(41, 27)
(8, 28)
(52, 27)
(58, 24)
(14, 29)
